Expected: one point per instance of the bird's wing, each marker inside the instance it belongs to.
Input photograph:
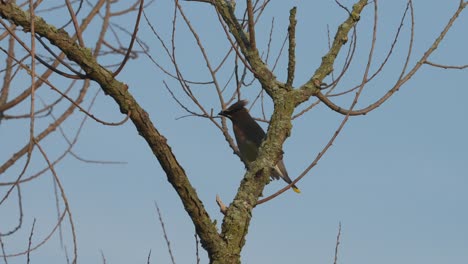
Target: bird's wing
(248, 150)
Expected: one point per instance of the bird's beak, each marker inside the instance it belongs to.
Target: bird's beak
(221, 113)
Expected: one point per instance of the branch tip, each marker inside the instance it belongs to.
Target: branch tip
(222, 207)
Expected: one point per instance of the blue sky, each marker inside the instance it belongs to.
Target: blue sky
(396, 178)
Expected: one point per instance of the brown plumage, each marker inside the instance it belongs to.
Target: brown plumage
(249, 136)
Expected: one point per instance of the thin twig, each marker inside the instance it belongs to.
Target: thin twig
(460, 67)
(30, 241)
(168, 243)
(335, 261)
(132, 40)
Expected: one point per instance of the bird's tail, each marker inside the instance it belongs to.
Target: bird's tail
(295, 189)
(280, 171)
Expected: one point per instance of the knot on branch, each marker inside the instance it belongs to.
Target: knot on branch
(355, 16)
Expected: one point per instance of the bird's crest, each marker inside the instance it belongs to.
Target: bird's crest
(239, 105)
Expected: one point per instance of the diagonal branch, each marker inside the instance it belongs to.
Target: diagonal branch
(210, 239)
(259, 68)
(312, 87)
(404, 77)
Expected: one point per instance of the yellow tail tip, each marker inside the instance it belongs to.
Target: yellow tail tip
(295, 189)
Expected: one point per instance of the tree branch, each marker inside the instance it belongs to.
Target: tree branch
(210, 239)
(404, 77)
(292, 47)
(312, 87)
(250, 12)
(262, 73)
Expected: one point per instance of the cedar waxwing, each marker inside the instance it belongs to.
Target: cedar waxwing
(249, 136)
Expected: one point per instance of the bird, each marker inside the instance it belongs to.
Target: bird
(249, 136)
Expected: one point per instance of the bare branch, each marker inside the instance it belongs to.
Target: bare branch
(166, 238)
(118, 91)
(457, 67)
(345, 119)
(30, 239)
(312, 87)
(132, 41)
(292, 47)
(222, 207)
(335, 260)
(252, 41)
(75, 23)
(404, 78)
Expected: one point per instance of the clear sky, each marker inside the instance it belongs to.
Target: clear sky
(396, 178)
